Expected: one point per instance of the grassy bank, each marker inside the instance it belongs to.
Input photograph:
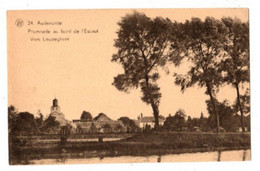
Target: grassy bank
(144, 144)
(193, 140)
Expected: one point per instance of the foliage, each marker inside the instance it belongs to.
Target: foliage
(65, 129)
(25, 124)
(247, 122)
(51, 125)
(203, 123)
(39, 122)
(119, 128)
(245, 103)
(86, 115)
(190, 125)
(143, 46)
(203, 49)
(176, 122)
(197, 124)
(129, 124)
(181, 113)
(236, 63)
(107, 128)
(236, 46)
(227, 118)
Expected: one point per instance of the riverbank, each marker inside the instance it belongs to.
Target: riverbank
(144, 144)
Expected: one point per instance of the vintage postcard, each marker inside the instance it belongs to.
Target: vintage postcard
(128, 86)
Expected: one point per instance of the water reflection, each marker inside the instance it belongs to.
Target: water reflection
(159, 159)
(244, 155)
(81, 140)
(219, 155)
(236, 155)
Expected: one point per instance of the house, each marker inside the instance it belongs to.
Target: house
(84, 126)
(104, 124)
(100, 124)
(148, 121)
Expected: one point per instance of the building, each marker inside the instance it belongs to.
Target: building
(148, 121)
(100, 124)
(57, 114)
(84, 126)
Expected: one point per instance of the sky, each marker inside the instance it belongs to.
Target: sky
(79, 72)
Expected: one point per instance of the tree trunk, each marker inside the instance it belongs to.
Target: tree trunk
(213, 105)
(240, 108)
(155, 114)
(154, 106)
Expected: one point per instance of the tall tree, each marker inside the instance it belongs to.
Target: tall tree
(245, 103)
(227, 118)
(202, 48)
(143, 46)
(236, 64)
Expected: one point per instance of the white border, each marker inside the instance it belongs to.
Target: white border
(104, 4)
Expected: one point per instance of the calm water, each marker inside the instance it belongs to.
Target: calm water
(236, 155)
(82, 140)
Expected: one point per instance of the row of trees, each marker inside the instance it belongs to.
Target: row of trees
(217, 51)
(25, 123)
(229, 121)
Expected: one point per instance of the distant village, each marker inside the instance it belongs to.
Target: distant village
(25, 123)
(102, 123)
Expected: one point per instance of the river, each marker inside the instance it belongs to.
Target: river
(234, 155)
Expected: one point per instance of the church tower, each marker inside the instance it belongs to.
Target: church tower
(55, 107)
(57, 114)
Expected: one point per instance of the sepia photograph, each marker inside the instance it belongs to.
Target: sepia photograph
(128, 86)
